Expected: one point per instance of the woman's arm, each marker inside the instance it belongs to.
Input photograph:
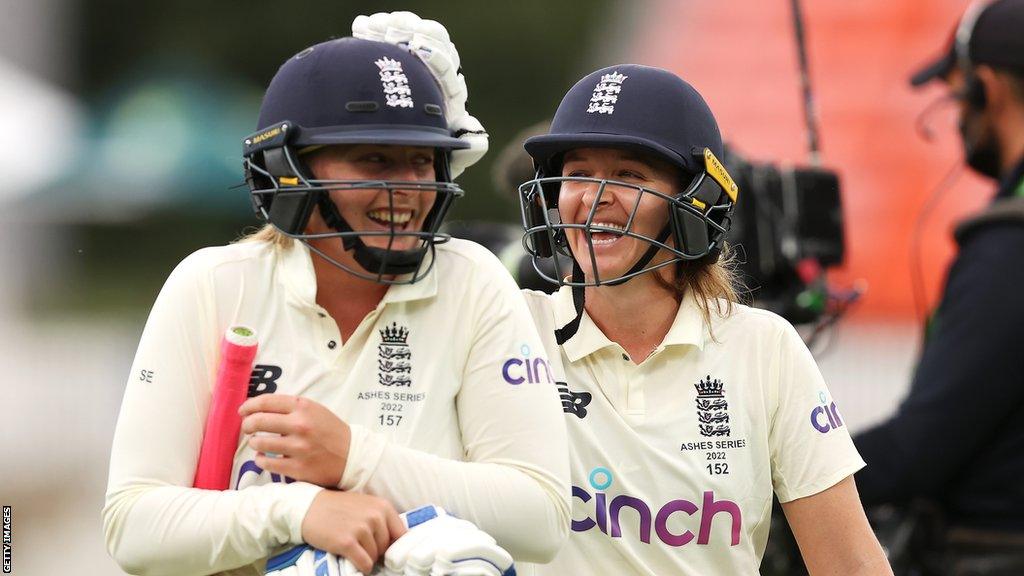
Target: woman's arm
(154, 522)
(812, 469)
(514, 482)
(834, 535)
(513, 478)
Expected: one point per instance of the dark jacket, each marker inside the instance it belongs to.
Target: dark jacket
(958, 437)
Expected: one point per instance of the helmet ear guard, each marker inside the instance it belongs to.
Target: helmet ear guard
(690, 233)
(289, 211)
(270, 169)
(354, 91)
(700, 227)
(540, 208)
(699, 219)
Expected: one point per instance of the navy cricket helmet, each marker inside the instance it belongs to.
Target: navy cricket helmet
(652, 112)
(350, 91)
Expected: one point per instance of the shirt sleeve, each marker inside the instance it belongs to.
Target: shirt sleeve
(811, 449)
(154, 522)
(514, 482)
(967, 385)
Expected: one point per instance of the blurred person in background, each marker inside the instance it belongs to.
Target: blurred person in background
(381, 380)
(686, 409)
(957, 439)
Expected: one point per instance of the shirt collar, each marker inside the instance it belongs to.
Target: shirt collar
(688, 328)
(424, 288)
(295, 268)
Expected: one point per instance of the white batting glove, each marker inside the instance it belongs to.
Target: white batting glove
(304, 560)
(430, 41)
(438, 544)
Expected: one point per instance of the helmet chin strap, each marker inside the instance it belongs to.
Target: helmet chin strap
(563, 334)
(645, 259)
(374, 260)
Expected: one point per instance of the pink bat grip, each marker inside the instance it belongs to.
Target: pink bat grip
(220, 439)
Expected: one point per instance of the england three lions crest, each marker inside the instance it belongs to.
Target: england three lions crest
(712, 408)
(394, 358)
(395, 83)
(606, 94)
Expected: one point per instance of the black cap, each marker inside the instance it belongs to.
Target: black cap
(996, 38)
(354, 91)
(633, 107)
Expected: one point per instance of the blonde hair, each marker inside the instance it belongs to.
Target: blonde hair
(269, 234)
(714, 282)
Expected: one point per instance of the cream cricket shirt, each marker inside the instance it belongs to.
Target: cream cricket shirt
(445, 385)
(674, 460)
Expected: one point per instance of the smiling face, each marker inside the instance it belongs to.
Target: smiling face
(613, 253)
(377, 209)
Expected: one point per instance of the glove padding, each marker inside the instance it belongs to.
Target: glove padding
(430, 41)
(436, 544)
(304, 560)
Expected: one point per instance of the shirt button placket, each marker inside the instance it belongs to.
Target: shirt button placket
(632, 378)
(330, 329)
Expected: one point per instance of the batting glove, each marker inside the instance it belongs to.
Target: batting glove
(430, 41)
(438, 544)
(304, 560)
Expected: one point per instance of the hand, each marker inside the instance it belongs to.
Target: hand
(431, 42)
(307, 441)
(441, 544)
(353, 526)
(304, 560)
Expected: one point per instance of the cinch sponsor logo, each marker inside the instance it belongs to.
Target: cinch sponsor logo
(526, 369)
(606, 514)
(249, 474)
(825, 418)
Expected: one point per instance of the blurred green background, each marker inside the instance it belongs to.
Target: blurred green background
(121, 152)
(167, 93)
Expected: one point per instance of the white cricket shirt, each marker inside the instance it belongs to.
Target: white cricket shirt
(674, 460)
(445, 385)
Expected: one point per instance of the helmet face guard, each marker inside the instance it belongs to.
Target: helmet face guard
(351, 91)
(698, 219)
(284, 194)
(643, 110)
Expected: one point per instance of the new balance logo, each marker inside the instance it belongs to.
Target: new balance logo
(263, 379)
(574, 402)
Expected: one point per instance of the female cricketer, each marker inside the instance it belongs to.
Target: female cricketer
(686, 410)
(396, 367)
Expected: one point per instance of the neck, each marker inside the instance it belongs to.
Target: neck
(637, 315)
(1011, 140)
(347, 298)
